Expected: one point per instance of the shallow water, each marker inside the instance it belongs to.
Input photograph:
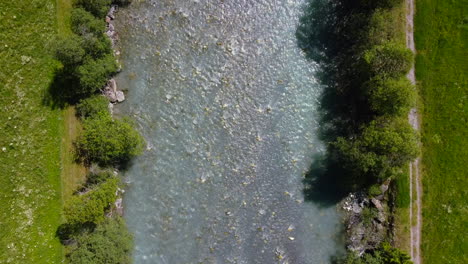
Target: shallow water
(227, 103)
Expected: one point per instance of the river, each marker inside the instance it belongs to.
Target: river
(227, 103)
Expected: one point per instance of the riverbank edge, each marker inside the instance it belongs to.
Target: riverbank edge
(74, 184)
(391, 223)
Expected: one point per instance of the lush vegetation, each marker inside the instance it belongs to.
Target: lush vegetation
(107, 141)
(92, 106)
(90, 206)
(364, 61)
(93, 231)
(110, 242)
(360, 46)
(30, 193)
(384, 254)
(86, 56)
(441, 35)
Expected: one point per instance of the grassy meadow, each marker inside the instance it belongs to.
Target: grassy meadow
(35, 140)
(441, 35)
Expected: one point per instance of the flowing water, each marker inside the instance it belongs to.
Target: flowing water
(227, 104)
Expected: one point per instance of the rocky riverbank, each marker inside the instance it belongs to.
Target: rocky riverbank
(367, 220)
(110, 90)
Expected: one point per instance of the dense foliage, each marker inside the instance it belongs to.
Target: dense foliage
(107, 141)
(380, 149)
(385, 254)
(92, 106)
(93, 74)
(91, 206)
(98, 8)
(70, 52)
(364, 62)
(86, 55)
(92, 230)
(110, 242)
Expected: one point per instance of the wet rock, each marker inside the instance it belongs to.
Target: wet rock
(362, 234)
(110, 94)
(120, 96)
(377, 204)
(384, 186)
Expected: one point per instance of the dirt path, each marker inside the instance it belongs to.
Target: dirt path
(415, 179)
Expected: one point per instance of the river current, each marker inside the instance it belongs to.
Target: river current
(227, 104)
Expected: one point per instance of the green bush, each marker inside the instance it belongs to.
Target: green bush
(69, 51)
(374, 190)
(110, 242)
(91, 30)
(91, 206)
(92, 106)
(381, 149)
(83, 23)
(384, 27)
(384, 254)
(390, 96)
(389, 60)
(98, 8)
(97, 47)
(93, 74)
(98, 177)
(107, 141)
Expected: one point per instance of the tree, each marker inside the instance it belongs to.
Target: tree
(69, 52)
(389, 60)
(379, 151)
(83, 23)
(91, 206)
(98, 8)
(110, 242)
(92, 106)
(390, 96)
(93, 74)
(107, 141)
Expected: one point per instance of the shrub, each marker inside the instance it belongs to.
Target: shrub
(383, 146)
(389, 60)
(93, 74)
(83, 23)
(107, 141)
(91, 206)
(92, 106)
(390, 96)
(98, 8)
(110, 242)
(69, 52)
(384, 254)
(98, 177)
(374, 190)
(97, 47)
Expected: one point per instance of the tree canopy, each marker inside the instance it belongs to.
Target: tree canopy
(107, 141)
(110, 242)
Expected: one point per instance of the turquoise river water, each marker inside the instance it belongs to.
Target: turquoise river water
(227, 103)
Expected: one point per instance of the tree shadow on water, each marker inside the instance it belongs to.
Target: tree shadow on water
(318, 36)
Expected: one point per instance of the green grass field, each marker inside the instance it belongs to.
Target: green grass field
(441, 34)
(31, 132)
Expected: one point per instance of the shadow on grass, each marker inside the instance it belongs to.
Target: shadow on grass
(60, 92)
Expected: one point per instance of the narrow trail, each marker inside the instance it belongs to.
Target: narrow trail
(415, 178)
